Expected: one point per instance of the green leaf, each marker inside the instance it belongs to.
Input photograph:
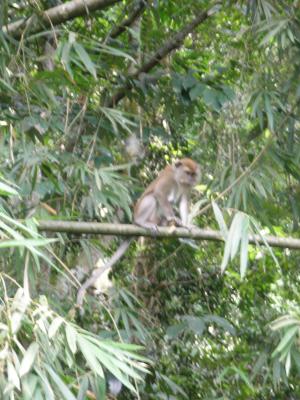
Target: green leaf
(93, 353)
(45, 384)
(139, 327)
(237, 228)
(243, 376)
(284, 322)
(85, 58)
(114, 51)
(172, 385)
(244, 248)
(260, 188)
(276, 372)
(64, 390)
(222, 322)
(189, 81)
(277, 27)
(175, 330)
(55, 325)
(269, 112)
(196, 324)
(6, 190)
(233, 239)
(255, 100)
(26, 243)
(29, 384)
(84, 385)
(220, 220)
(196, 91)
(286, 340)
(97, 179)
(119, 349)
(256, 227)
(126, 322)
(210, 96)
(65, 57)
(28, 359)
(7, 86)
(288, 364)
(71, 335)
(226, 254)
(88, 351)
(296, 357)
(98, 387)
(259, 364)
(12, 375)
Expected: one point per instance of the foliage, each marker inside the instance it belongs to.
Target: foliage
(39, 365)
(38, 346)
(85, 125)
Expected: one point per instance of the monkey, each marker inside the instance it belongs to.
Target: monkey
(173, 185)
(155, 208)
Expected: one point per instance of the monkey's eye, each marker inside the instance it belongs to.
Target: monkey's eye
(190, 173)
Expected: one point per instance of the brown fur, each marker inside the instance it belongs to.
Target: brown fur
(166, 180)
(191, 164)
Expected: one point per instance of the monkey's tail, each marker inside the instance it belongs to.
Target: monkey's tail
(99, 271)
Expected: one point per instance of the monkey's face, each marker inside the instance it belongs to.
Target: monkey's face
(189, 178)
(187, 172)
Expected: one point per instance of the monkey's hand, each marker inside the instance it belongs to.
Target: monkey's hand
(150, 226)
(190, 227)
(175, 221)
(153, 228)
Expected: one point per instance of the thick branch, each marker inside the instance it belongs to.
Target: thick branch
(174, 43)
(135, 13)
(132, 230)
(56, 15)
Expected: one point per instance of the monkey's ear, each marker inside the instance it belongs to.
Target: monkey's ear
(177, 163)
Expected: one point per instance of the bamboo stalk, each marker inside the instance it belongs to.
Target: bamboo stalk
(162, 232)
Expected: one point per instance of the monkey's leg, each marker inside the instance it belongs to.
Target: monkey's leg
(146, 215)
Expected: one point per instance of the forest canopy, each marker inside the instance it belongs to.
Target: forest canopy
(96, 98)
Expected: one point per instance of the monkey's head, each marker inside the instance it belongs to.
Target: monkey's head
(187, 172)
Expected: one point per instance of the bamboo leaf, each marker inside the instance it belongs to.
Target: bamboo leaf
(6, 190)
(62, 387)
(269, 112)
(65, 58)
(288, 363)
(12, 375)
(28, 359)
(85, 58)
(55, 325)
(220, 219)
(7, 86)
(283, 322)
(236, 228)
(25, 242)
(83, 388)
(244, 248)
(286, 340)
(71, 336)
(88, 351)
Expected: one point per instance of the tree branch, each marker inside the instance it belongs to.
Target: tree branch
(134, 14)
(174, 43)
(56, 15)
(167, 232)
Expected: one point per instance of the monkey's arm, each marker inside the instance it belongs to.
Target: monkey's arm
(164, 205)
(184, 209)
